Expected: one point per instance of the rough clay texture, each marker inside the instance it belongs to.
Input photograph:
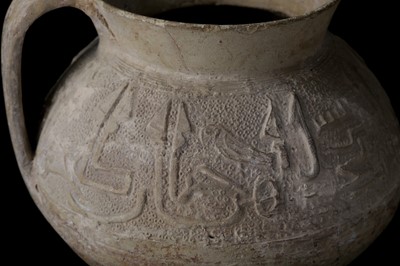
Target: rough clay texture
(292, 167)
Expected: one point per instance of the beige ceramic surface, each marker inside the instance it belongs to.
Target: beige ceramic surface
(177, 144)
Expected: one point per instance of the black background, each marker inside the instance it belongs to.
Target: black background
(368, 26)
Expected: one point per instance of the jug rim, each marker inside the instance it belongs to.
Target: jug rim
(219, 27)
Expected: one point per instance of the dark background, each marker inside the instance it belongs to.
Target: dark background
(368, 26)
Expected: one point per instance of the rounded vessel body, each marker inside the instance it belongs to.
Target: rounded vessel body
(187, 144)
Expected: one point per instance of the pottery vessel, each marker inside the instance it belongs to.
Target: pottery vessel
(169, 143)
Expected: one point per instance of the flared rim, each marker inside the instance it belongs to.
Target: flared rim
(217, 27)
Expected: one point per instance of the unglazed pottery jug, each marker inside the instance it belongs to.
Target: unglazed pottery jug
(171, 143)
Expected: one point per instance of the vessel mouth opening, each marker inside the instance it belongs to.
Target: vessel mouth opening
(220, 12)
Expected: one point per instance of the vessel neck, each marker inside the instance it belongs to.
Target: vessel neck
(215, 50)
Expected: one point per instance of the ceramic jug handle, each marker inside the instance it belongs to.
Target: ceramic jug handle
(21, 14)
